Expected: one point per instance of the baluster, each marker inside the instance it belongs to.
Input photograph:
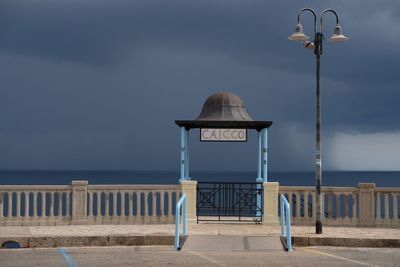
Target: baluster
(354, 208)
(107, 202)
(338, 209)
(298, 204)
(146, 203)
(162, 205)
(18, 205)
(305, 204)
(130, 202)
(323, 204)
(378, 206)
(35, 199)
(314, 205)
(123, 194)
(26, 212)
(154, 204)
(1, 204)
(290, 200)
(395, 207)
(115, 197)
(139, 203)
(91, 200)
(51, 204)
(60, 194)
(98, 195)
(67, 205)
(170, 195)
(346, 205)
(44, 204)
(330, 204)
(9, 204)
(387, 218)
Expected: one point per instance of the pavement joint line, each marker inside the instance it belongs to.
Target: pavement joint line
(68, 258)
(138, 248)
(207, 258)
(336, 257)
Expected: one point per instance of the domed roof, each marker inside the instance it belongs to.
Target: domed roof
(224, 106)
(224, 110)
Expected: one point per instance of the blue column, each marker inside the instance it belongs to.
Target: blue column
(265, 155)
(187, 177)
(259, 174)
(183, 153)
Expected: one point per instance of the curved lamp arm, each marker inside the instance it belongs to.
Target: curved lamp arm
(314, 14)
(327, 11)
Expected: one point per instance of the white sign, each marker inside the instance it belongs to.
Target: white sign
(223, 135)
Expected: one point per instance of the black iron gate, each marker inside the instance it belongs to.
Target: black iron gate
(226, 201)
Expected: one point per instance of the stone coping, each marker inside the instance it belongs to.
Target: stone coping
(142, 235)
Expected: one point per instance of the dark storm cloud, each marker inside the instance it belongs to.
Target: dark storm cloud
(123, 71)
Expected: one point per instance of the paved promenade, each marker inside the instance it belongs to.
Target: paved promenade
(110, 235)
(161, 256)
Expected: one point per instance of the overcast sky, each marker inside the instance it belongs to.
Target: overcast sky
(98, 84)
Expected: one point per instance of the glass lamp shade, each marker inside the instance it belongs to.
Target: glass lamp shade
(298, 34)
(338, 36)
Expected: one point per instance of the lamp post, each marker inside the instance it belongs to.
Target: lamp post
(316, 45)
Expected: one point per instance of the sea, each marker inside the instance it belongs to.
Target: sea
(293, 178)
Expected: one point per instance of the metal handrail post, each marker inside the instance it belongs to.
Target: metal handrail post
(285, 222)
(185, 217)
(288, 229)
(282, 219)
(182, 200)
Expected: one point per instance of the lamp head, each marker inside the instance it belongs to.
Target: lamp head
(309, 45)
(337, 35)
(298, 34)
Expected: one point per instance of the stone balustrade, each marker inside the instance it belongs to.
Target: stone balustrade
(365, 205)
(81, 203)
(387, 204)
(35, 204)
(131, 204)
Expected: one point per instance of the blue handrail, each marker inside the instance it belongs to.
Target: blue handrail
(285, 223)
(182, 200)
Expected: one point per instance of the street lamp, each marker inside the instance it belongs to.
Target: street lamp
(316, 45)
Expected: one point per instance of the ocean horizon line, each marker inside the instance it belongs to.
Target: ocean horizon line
(148, 170)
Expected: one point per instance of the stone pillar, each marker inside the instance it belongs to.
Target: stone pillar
(271, 203)
(366, 196)
(189, 187)
(79, 202)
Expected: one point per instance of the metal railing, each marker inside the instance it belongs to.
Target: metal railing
(229, 201)
(182, 201)
(285, 224)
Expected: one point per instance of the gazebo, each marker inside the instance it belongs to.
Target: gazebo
(224, 118)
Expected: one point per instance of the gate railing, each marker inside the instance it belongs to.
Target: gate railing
(228, 201)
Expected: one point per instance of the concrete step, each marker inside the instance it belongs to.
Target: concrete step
(232, 243)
